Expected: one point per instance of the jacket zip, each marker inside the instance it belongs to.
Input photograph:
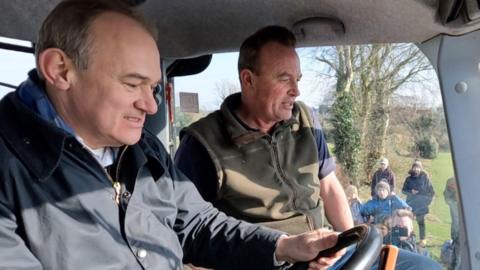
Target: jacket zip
(281, 172)
(117, 187)
(118, 190)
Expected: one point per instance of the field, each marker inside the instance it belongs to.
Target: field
(438, 221)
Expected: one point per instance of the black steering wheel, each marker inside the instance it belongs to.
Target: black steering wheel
(368, 241)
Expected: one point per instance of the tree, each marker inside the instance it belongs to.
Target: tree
(421, 127)
(423, 124)
(427, 147)
(345, 135)
(224, 88)
(366, 77)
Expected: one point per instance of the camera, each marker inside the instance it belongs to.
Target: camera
(398, 232)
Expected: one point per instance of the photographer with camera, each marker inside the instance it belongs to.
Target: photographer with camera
(401, 233)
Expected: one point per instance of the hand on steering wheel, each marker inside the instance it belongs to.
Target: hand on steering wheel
(368, 242)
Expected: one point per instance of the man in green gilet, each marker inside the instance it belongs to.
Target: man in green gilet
(262, 157)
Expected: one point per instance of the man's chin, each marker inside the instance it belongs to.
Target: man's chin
(128, 140)
(287, 116)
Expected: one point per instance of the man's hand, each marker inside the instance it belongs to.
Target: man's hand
(414, 191)
(306, 246)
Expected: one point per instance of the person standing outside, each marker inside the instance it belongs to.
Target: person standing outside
(355, 204)
(419, 191)
(450, 195)
(383, 173)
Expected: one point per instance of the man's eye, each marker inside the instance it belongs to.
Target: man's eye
(131, 85)
(156, 89)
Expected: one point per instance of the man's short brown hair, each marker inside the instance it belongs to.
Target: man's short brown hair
(251, 46)
(67, 27)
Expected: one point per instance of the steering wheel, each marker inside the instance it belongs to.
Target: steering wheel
(368, 242)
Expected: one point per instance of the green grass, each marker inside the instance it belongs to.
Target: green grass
(438, 221)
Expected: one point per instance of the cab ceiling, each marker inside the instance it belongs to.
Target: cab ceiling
(191, 27)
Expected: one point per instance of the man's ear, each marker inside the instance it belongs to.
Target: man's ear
(246, 78)
(55, 67)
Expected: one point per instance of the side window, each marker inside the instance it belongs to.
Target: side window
(14, 65)
(375, 103)
(213, 85)
(382, 114)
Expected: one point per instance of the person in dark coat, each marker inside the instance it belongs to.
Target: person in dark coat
(451, 198)
(419, 191)
(383, 173)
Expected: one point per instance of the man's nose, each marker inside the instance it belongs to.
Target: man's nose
(294, 91)
(147, 102)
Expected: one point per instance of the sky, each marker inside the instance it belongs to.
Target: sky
(14, 67)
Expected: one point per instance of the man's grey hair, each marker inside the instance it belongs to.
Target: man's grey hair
(67, 27)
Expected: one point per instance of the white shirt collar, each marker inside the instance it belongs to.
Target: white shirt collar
(104, 155)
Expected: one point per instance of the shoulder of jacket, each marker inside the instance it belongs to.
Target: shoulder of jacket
(152, 143)
(5, 151)
(9, 162)
(206, 122)
(307, 119)
(424, 174)
(305, 111)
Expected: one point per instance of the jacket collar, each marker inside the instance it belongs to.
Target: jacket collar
(153, 154)
(31, 92)
(239, 131)
(37, 143)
